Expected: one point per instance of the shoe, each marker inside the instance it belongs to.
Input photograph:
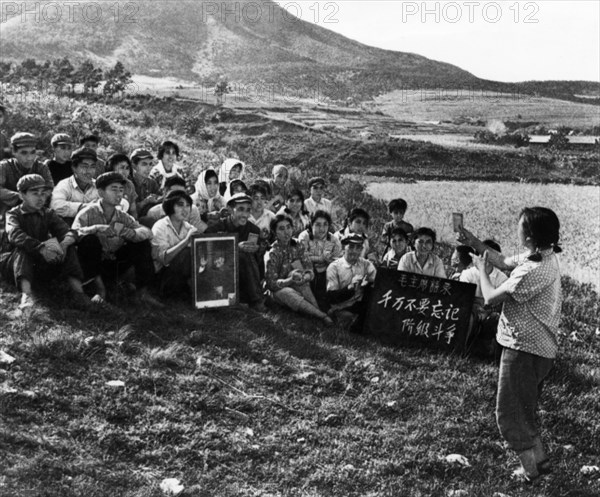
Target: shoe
(543, 462)
(327, 321)
(528, 472)
(27, 302)
(98, 300)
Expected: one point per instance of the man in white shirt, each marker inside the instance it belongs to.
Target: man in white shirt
(349, 280)
(316, 202)
(74, 193)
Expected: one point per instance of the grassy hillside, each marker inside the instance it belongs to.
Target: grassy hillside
(239, 404)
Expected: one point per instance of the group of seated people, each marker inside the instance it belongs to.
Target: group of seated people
(97, 222)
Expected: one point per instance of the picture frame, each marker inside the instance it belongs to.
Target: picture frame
(215, 261)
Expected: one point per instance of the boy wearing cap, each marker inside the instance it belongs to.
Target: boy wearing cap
(77, 191)
(29, 251)
(251, 256)
(316, 202)
(91, 142)
(112, 241)
(4, 143)
(148, 191)
(24, 162)
(349, 280)
(60, 164)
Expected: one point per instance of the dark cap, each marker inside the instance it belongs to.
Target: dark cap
(140, 154)
(318, 180)
(107, 179)
(353, 239)
(30, 181)
(239, 198)
(83, 153)
(60, 139)
(21, 139)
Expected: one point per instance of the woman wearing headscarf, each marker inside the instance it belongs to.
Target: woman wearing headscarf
(230, 169)
(207, 190)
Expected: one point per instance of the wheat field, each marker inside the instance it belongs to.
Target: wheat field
(491, 210)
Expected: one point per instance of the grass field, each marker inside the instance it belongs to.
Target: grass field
(234, 403)
(237, 404)
(492, 210)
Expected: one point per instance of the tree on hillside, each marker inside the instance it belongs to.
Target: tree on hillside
(117, 80)
(63, 74)
(89, 76)
(5, 72)
(221, 89)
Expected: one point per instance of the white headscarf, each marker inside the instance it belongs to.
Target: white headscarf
(216, 202)
(227, 166)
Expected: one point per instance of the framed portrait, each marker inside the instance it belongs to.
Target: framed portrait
(215, 263)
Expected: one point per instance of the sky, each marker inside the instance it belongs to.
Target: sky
(505, 40)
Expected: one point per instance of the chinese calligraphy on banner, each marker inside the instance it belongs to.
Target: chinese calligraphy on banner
(413, 308)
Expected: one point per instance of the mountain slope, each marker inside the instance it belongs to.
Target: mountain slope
(180, 39)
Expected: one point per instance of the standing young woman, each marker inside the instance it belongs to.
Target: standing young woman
(528, 330)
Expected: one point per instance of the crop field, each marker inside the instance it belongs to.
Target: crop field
(431, 105)
(450, 140)
(492, 209)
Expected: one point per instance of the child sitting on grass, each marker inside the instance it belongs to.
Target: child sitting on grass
(527, 330)
(112, 241)
(399, 243)
(397, 209)
(38, 244)
(289, 271)
(171, 245)
(423, 260)
(147, 190)
(322, 248)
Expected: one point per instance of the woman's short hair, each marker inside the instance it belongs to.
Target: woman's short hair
(464, 254)
(166, 145)
(278, 219)
(115, 159)
(425, 231)
(172, 198)
(320, 214)
(356, 213)
(399, 232)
